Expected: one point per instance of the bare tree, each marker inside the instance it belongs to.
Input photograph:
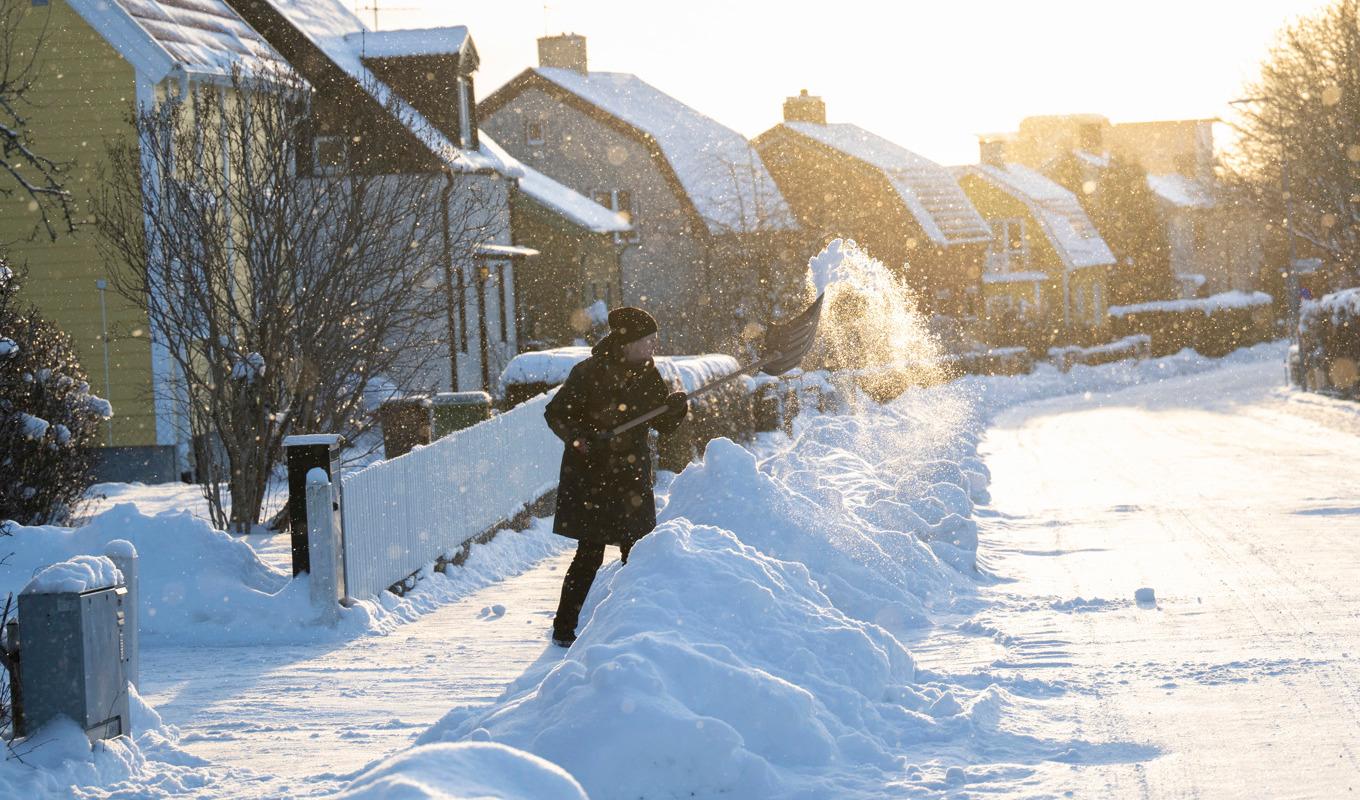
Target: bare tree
(23, 166)
(281, 290)
(754, 271)
(1298, 147)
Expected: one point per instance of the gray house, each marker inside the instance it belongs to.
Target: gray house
(714, 245)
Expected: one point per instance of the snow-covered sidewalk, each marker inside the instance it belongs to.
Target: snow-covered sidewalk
(298, 717)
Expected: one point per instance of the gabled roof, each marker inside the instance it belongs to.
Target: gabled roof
(343, 38)
(453, 40)
(338, 33)
(199, 37)
(1180, 191)
(1057, 210)
(716, 167)
(929, 190)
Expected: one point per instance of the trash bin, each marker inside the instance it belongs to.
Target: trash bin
(405, 423)
(454, 411)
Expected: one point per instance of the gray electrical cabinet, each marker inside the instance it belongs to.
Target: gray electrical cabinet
(73, 661)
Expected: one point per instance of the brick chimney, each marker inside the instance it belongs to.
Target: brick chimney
(992, 151)
(805, 108)
(564, 51)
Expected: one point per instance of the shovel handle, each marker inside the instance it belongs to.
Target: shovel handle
(702, 390)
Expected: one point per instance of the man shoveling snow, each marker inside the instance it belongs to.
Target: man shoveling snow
(604, 494)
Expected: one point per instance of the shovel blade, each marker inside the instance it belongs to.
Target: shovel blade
(789, 341)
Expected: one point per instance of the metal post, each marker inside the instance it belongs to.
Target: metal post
(102, 285)
(323, 539)
(303, 454)
(124, 556)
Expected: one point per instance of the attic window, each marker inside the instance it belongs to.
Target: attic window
(534, 131)
(330, 155)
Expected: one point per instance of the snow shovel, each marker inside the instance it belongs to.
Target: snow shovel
(784, 346)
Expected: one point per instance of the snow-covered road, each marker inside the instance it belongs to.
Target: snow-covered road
(1239, 504)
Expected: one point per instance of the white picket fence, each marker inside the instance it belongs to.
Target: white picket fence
(400, 515)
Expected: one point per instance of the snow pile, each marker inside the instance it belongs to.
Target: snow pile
(753, 646)
(1208, 305)
(466, 771)
(992, 394)
(58, 761)
(79, 574)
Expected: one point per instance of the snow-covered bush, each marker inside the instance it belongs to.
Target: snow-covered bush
(1329, 342)
(1212, 326)
(49, 420)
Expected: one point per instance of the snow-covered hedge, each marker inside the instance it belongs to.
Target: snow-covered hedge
(1329, 343)
(1138, 345)
(1212, 326)
(49, 419)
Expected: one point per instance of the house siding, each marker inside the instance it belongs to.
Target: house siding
(669, 270)
(84, 94)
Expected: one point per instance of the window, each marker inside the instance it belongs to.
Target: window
(330, 155)
(534, 131)
(622, 201)
(1009, 250)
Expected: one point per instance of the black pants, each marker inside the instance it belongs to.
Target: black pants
(575, 587)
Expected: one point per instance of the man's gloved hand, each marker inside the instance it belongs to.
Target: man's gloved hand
(678, 402)
(591, 441)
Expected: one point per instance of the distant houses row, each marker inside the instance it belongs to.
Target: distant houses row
(602, 189)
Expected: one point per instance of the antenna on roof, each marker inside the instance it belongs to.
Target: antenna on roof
(545, 19)
(374, 9)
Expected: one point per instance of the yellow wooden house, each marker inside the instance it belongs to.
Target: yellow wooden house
(98, 60)
(1046, 260)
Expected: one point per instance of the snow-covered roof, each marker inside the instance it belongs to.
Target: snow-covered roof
(199, 37)
(1064, 221)
(410, 41)
(563, 200)
(718, 169)
(336, 31)
(1181, 191)
(928, 189)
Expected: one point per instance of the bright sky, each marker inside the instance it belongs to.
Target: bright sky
(928, 75)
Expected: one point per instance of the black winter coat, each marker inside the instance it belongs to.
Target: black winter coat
(605, 496)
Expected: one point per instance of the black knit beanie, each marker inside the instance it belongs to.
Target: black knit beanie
(629, 324)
